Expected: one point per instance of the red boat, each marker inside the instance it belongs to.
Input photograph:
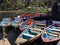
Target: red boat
(37, 14)
(26, 24)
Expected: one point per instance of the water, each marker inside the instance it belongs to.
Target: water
(8, 14)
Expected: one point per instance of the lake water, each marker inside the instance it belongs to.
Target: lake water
(5, 14)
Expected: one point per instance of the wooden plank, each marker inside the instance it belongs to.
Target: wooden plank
(4, 42)
(36, 29)
(55, 29)
(1, 42)
(41, 25)
(52, 34)
(20, 40)
(56, 33)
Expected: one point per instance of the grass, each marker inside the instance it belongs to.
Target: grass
(44, 10)
(26, 10)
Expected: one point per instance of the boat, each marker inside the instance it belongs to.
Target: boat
(29, 35)
(5, 25)
(28, 15)
(28, 23)
(17, 20)
(33, 15)
(51, 34)
(6, 22)
(37, 14)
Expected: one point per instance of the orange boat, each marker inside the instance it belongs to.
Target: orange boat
(28, 15)
(37, 15)
(26, 24)
(22, 15)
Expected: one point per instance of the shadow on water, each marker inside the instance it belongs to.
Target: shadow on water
(8, 14)
(11, 34)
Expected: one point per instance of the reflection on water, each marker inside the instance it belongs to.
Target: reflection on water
(5, 14)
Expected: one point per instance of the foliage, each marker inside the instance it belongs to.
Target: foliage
(32, 10)
(10, 4)
(20, 5)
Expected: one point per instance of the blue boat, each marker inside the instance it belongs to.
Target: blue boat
(5, 22)
(29, 35)
(51, 34)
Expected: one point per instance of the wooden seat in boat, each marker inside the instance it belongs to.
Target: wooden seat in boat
(36, 29)
(52, 34)
(28, 35)
(20, 40)
(32, 31)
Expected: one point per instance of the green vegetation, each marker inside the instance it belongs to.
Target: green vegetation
(12, 5)
(32, 10)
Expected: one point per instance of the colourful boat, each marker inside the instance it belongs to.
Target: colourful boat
(33, 15)
(16, 21)
(5, 22)
(26, 24)
(51, 34)
(5, 25)
(29, 35)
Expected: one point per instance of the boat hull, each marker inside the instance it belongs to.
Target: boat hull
(26, 24)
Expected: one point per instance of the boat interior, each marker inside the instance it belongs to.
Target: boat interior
(39, 26)
(52, 33)
(30, 33)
